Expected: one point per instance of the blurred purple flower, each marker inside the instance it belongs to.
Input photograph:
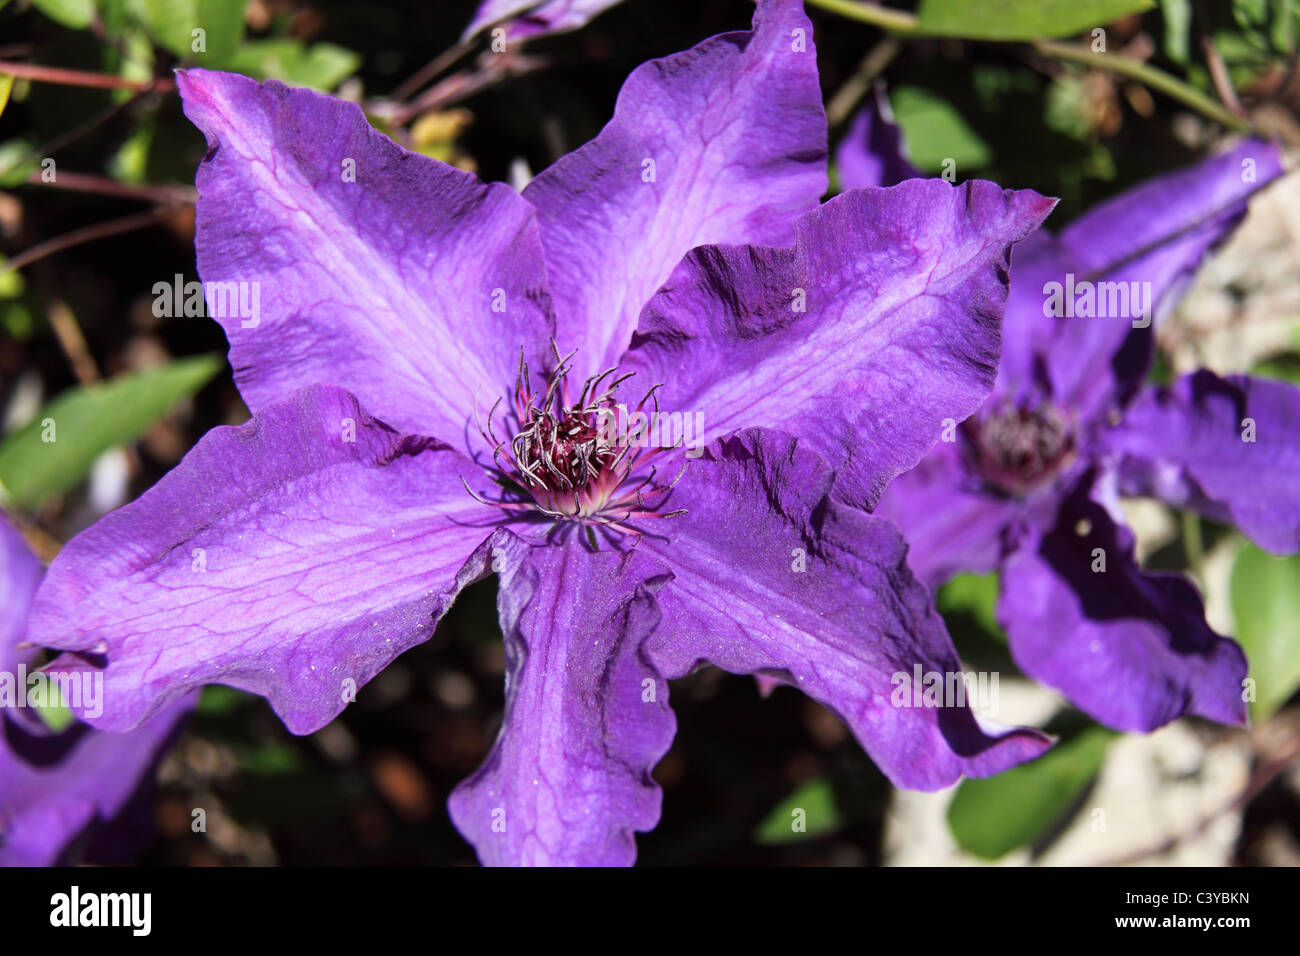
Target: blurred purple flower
(76, 794)
(1030, 484)
(524, 19)
(816, 349)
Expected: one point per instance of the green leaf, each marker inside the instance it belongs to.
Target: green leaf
(936, 131)
(55, 714)
(205, 32)
(6, 87)
(995, 815)
(130, 164)
(808, 812)
(11, 281)
(1248, 49)
(975, 595)
(56, 449)
(1266, 605)
(16, 319)
(1282, 34)
(17, 159)
(1021, 19)
(1284, 366)
(132, 57)
(1178, 29)
(322, 66)
(1250, 13)
(218, 700)
(76, 14)
(269, 759)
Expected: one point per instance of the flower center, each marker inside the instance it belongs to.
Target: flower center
(1019, 449)
(576, 458)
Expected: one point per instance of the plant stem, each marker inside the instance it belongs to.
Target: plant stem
(89, 126)
(72, 341)
(895, 21)
(100, 81)
(902, 23)
(1143, 73)
(103, 186)
(1219, 74)
(847, 97)
(431, 70)
(101, 230)
(1193, 546)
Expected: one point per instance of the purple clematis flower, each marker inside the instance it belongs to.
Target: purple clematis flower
(1030, 484)
(74, 792)
(526, 19)
(417, 427)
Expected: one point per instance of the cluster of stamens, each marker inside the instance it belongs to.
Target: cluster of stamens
(573, 458)
(1018, 449)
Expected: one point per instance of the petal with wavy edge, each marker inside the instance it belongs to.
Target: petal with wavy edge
(406, 281)
(293, 557)
(587, 717)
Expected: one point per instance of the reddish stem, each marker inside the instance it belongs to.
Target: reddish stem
(100, 81)
(86, 183)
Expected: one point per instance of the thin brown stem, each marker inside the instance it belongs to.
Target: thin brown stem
(454, 88)
(101, 185)
(847, 97)
(1219, 75)
(99, 81)
(72, 341)
(440, 64)
(100, 230)
(90, 125)
(1144, 73)
(902, 23)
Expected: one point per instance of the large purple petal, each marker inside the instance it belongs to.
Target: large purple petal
(1129, 648)
(55, 790)
(951, 523)
(294, 557)
(723, 143)
(1156, 233)
(1228, 447)
(387, 273)
(20, 573)
(770, 575)
(873, 152)
(587, 717)
(524, 19)
(868, 337)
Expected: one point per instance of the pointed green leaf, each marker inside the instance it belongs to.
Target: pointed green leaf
(995, 815)
(56, 450)
(1283, 366)
(6, 87)
(322, 66)
(937, 132)
(808, 812)
(1266, 606)
(1178, 29)
(76, 14)
(975, 595)
(18, 159)
(203, 32)
(1021, 19)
